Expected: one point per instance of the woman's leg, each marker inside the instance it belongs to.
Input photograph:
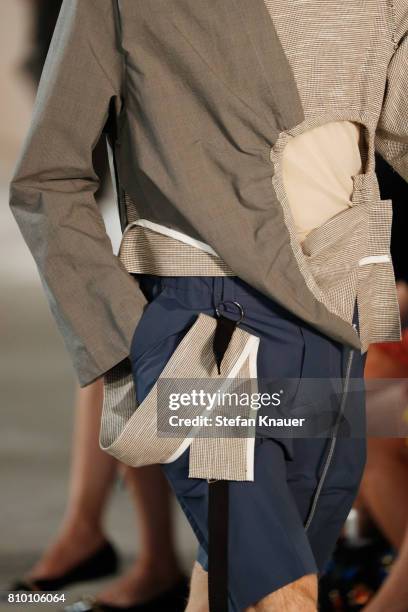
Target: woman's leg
(385, 493)
(156, 568)
(393, 595)
(81, 532)
(92, 474)
(384, 489)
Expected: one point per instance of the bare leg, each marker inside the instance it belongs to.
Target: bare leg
(384, 485)
(156, 568)
(81, 532)
(393, 595)
(384, 489)
(299, 595)
(92, 473)
(198, 600)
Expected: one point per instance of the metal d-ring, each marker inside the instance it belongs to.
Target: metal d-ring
(237, 304)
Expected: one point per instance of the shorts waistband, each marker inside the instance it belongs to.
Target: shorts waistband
(224, 287)
(210, 291)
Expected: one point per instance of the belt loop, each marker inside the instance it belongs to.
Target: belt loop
(224, 289)
(218, 290)
(229, 289)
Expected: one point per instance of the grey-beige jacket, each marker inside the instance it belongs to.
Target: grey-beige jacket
(199, 98)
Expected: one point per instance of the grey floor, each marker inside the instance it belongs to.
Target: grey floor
(36, 397)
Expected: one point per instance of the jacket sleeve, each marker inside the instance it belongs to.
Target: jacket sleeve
(95, 302)
(392, 130)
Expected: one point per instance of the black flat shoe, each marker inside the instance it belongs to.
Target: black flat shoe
(172, 600)
(104, 562)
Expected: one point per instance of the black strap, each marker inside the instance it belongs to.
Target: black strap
(222, 337)
(218, 498)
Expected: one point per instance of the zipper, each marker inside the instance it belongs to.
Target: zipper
(333, 442)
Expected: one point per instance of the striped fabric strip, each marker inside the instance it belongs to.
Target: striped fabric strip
(131, 433)
(148, 252)
(232, 458)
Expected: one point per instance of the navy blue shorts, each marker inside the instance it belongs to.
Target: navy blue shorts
(285, 523)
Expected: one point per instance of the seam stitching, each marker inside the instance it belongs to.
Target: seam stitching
(394, 23)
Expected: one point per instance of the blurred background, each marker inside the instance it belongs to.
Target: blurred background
(38, 391)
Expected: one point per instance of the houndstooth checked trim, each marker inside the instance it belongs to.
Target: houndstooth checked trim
(145, 251)
(129, 432)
